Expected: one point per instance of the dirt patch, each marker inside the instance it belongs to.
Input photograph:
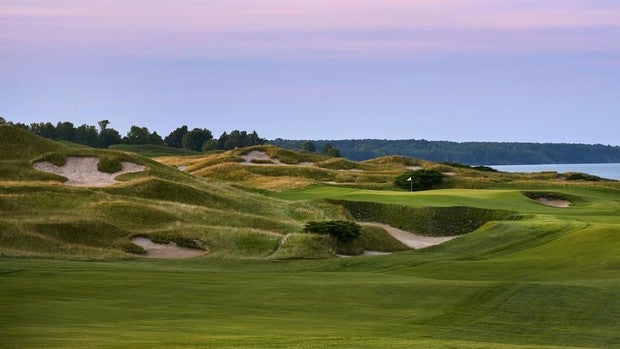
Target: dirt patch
(166, 251)
(259, 158)
(554, 202)
(83, 172)
(256, 155)
(412, 240)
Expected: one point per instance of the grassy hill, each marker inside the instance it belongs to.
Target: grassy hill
(42, 217)
(283, 170)
(526, 275)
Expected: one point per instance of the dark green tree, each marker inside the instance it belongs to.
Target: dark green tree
(155, 139)
(109, 136)
(65, 131)
(209, 144)
(221, 142)
(330, 150)
(103, 124)
(308, 146)
(196, 138)
(42, 129)
(254, 139)
(175, 138)
(87, 135)
(141, 135)
(419, 180)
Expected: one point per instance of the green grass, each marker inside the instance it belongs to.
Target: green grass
(513, 284)
(547, 279)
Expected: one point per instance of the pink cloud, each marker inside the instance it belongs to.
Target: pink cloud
(305, 28)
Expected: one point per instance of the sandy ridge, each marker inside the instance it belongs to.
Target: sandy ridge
(166, 251)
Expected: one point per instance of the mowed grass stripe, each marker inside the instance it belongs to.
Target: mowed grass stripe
(71, 304)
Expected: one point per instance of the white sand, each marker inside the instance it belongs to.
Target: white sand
(553, 202)
(262, 156)
(410, 239)
(167, 251)
(82, 171)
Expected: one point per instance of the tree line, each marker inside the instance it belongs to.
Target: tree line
(470, 153)
(198, 139)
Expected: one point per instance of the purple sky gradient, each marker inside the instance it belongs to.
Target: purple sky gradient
(469, 70)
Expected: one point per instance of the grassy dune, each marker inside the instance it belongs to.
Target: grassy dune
(42, 217)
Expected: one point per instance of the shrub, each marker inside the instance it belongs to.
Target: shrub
(419, 180)
(484, 168)
(535, 195)
(578, 176)
(343, 231)
(109, 164)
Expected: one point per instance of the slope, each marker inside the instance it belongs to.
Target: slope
(41, 216)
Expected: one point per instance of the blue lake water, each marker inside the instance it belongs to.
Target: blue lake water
(611, 171)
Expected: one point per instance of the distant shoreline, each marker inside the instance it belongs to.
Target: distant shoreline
(604, 170)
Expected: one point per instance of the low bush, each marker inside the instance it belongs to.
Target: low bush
(109, 164)
(419, 180)
(535, 195)
(484, 168)
(343, 231)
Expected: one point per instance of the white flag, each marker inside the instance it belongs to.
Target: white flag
(409, 179)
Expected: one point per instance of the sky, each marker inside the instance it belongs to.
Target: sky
(459, 70)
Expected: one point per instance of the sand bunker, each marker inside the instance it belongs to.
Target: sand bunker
(412, 240)
(554, 202)
(257, 158)
(167, 251)
(83, 172)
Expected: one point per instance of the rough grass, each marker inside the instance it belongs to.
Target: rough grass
(304, 246)
(430, 221)
(230, 221)
(151, 151)
(377, 239)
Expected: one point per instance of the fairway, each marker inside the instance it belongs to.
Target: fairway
(543, 282)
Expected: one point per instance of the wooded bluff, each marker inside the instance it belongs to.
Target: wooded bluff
(470, 153)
